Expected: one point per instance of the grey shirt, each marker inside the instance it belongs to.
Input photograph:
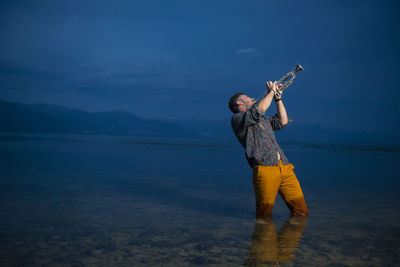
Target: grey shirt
(255, 132)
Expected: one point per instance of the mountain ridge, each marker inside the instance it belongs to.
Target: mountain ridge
(47, 118)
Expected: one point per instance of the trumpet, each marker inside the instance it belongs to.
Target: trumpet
(285, 81)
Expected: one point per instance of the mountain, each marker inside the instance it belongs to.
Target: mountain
(44, 118)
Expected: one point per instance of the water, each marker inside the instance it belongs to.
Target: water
(70, 200)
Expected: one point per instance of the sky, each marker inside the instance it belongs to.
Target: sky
(184, 59)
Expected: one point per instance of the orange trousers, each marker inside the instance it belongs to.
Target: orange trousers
(269, 180)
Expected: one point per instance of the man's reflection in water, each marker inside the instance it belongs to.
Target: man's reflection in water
(269, 247)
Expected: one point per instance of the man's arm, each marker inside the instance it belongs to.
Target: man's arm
(282, 115)
(281, 112)
(264, 103)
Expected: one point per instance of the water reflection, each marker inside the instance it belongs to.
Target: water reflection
(269, 247)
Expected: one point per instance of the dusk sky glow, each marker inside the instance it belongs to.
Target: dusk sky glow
(184, 59)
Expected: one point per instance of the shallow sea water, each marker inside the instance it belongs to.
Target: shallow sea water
(73, 200)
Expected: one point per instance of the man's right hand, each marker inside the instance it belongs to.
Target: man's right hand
(274, 86)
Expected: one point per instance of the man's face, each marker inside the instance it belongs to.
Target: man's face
(245, 103)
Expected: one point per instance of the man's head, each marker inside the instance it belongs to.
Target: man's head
(240, 103)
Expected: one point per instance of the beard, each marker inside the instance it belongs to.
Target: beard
(251, 104)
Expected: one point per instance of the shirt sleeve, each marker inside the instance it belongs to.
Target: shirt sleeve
(276, 123)
(241, 121)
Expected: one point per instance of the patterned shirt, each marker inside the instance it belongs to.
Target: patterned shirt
(255, 133)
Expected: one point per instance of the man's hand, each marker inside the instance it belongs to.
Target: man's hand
(275, 87)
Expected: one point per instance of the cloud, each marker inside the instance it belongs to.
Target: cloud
(249, 50)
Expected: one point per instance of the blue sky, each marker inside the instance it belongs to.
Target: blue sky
(184, 59)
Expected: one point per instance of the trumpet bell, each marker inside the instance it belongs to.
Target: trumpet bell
(298, 68)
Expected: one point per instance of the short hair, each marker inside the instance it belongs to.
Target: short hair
(232, 102)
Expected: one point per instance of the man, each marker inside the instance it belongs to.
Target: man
(272, 172)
